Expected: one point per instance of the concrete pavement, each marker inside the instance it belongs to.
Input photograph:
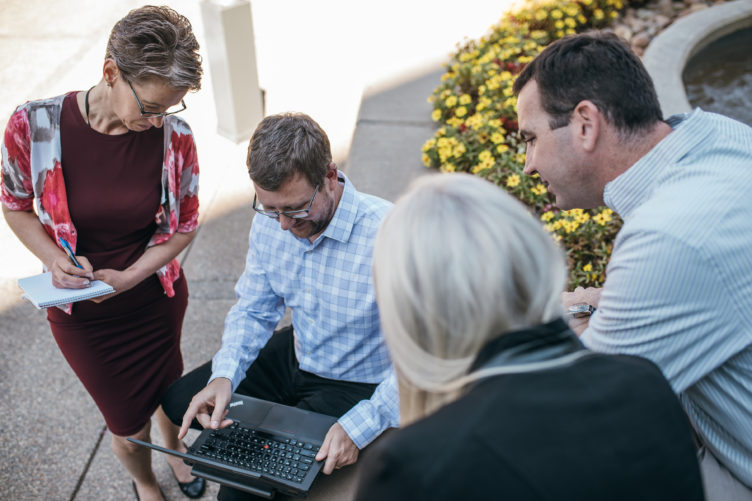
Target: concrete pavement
(320, 59)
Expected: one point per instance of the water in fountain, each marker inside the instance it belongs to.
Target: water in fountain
(719, 77)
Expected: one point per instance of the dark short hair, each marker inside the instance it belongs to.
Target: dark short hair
(156, 43)
(596, 66)
(287, 144)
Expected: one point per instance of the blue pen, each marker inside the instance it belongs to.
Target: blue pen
(69, 251)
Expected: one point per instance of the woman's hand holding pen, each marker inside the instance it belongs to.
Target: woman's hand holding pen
(66, 275)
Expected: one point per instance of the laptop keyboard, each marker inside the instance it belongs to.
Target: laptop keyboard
(283, 458)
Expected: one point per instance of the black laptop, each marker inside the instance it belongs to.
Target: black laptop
(269, 448)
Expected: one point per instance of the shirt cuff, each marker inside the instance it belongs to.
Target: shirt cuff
(369, 418)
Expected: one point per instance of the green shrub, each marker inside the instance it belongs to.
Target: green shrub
(476, 107)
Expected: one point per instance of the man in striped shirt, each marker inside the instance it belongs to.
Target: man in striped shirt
(679, 283)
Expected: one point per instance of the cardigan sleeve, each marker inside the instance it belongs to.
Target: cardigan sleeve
(188, 217)
(17, 192)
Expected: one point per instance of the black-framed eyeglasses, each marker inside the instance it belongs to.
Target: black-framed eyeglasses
(155, 114)
(292, 214)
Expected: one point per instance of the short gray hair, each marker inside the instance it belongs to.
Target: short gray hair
(458, 262)
(156, 43)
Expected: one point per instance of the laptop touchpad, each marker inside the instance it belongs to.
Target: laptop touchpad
(282, 419)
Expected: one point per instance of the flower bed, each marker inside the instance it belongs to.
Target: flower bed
(476, 107)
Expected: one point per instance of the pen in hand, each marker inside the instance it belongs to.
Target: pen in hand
(68, 250)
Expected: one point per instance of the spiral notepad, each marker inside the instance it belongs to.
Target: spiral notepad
(39, 290)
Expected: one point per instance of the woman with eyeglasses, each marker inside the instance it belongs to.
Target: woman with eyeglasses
(498, 397)
(113, 172)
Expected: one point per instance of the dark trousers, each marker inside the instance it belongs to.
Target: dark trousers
(274, 376)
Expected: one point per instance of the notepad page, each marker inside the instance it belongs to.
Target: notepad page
(39, 290)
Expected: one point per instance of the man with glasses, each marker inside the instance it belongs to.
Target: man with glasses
(679, 283)
(310, 249)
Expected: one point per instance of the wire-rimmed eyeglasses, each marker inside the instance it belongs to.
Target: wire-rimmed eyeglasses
(292, 214)
(155, 114)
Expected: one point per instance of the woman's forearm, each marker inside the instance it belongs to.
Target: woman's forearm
(159, 255)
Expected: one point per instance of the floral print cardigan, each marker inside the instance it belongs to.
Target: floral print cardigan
(31, 170)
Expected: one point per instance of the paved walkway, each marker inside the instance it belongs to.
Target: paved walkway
(53, 442)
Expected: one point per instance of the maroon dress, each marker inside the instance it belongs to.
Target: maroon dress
(125, 350)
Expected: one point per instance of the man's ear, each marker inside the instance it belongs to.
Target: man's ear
(331, 173)
(588, 121)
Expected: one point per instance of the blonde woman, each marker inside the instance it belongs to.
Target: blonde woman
(498, 398)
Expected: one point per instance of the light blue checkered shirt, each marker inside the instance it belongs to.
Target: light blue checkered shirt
(329, 287)
(679, 283)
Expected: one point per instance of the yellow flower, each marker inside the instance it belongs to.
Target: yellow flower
(559, 24)
(482, 90)
(570, 22)
(459, 150)
(482, 104)
(540, 15)
(604, 217)
(497, 138)
(556, 14)
(447, 167)
(429, 144)
(539, 189)
(549, 228)
(426, 160)
(598, 14)
(460, 111)
(547, 216)
(513, 180)
(485, 155)
(450, 101)
(483, 137)
(587, 267)
(436, 115)
(465, 99)
(454, 121)
(441, 132)
(502, 148)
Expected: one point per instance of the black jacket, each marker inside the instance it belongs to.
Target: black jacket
(600, 428)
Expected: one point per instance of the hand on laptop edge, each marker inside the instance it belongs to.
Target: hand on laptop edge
(338, 449)
(209, 406)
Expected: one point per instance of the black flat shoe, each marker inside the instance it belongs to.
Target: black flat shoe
(193, 489)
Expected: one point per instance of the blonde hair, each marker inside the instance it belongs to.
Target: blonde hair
(457, 262)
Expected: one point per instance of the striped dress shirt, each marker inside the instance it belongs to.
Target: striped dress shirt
(679, 283)
(328, 284)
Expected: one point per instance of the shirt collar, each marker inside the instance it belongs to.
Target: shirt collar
(629, 190)
(341, 225)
